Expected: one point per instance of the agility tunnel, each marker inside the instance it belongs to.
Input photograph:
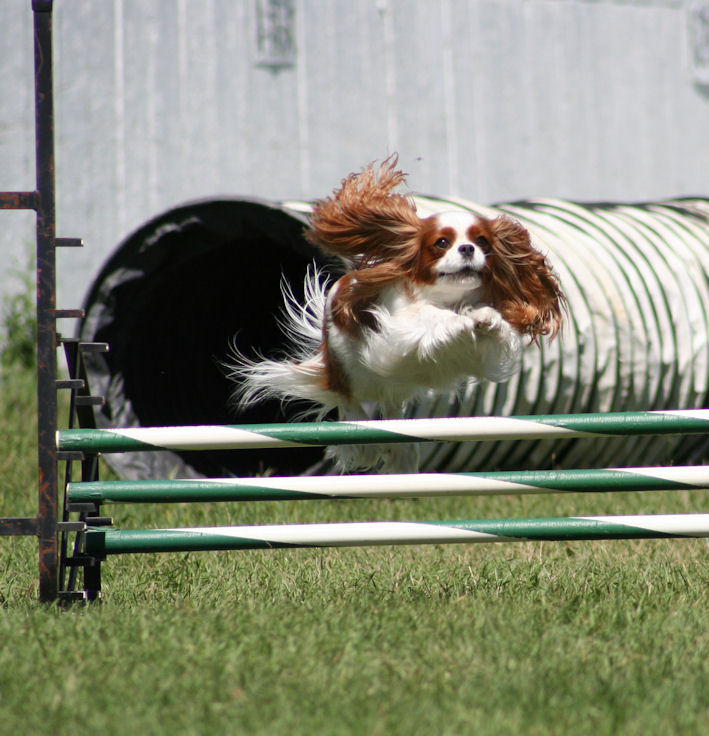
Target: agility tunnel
(176, 291)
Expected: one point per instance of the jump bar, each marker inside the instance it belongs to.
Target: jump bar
(458, 429)
(101, 542)
(390, 486)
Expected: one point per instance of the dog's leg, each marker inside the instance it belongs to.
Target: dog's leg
(356, 458)
(386, 458)
(498, 342)
(398, 457)
(439, 328)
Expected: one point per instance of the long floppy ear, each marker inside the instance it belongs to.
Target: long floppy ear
(365, 221)
(375, 230)
(520, 282)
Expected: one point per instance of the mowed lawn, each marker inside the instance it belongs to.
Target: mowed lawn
(522, 638)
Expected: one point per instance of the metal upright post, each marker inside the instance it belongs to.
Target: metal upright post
(46, 524)
(46, 303)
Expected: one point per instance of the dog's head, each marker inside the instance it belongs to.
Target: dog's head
(464, 256)
(454, 255)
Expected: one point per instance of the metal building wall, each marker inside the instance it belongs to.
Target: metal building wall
(491, 100)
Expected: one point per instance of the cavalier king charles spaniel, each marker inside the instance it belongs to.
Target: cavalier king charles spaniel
(424, 304)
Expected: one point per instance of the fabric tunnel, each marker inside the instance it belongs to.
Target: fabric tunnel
(177, 291)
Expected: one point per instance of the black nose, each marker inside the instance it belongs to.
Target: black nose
(466, 250)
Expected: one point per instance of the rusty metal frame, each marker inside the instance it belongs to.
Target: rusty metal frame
(46, 526)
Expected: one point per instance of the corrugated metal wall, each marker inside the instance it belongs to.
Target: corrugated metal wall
(161, 102)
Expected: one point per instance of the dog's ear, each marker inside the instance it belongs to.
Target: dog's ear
(365, 221)
(521, 283)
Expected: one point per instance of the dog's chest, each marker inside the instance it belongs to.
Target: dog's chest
(396, 358)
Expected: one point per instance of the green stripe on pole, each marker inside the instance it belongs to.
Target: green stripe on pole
(409, 430)
(390, 486)
(558, 529)
(179, 491)
(101, 542)
(115, 541)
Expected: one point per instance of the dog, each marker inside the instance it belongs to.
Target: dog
(424, 305)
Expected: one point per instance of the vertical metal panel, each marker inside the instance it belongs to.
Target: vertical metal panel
(489, 100)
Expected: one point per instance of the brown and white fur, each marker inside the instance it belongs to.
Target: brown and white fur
(424, 305)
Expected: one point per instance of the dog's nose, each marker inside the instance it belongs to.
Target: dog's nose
(466, 250)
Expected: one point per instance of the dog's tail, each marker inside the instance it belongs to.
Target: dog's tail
(300, 373)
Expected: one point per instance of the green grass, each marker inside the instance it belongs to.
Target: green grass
(528, 638)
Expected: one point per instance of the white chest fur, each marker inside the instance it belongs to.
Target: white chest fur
(423, 343)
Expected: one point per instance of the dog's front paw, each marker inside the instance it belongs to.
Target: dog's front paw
(470, 310)
(451, 326)
(487, 319)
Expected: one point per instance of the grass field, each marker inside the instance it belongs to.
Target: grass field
(527, 638)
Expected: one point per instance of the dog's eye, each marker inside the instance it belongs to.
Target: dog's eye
(482, 242)
(442, 244)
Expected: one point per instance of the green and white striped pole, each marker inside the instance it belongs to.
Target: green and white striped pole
(457, 429)
(390, 486)
(100, 542)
